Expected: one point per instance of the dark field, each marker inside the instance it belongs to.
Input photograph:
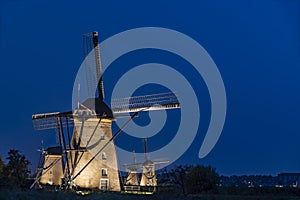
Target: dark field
(45, 195)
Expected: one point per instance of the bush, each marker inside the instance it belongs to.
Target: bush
(201, 179)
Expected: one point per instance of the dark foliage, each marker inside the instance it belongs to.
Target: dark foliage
(179, 176)
(2, 176)
(202, 179)
(195, 179)
(15, 173)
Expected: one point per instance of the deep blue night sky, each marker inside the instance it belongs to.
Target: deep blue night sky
(255, 44)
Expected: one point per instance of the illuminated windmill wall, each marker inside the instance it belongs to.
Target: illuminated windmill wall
(52, 167)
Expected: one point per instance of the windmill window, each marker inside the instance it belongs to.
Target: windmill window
(50, 178)
(104, 172)
(102, 137)
(103, 156)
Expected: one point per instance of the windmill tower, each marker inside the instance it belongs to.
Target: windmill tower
(148, 179)
(52, 167)
(148, 174)
(88, 155)
(132, 179)
(93, 121)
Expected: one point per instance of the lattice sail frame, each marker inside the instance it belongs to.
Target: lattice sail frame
(144, 103)
(52, 120)
(161, 101)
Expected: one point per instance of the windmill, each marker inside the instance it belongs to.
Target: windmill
(50, 165)
(53, 159)
(88, 155)
(132, 179)
(39, 169)
(148, 180)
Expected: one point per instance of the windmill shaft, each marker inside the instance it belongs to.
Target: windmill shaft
(145, 148)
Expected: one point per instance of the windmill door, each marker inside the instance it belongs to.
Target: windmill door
(104, 184)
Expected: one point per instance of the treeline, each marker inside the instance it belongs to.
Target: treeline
(14, 174)
(183, 179)
(249, 181)
(189, 180)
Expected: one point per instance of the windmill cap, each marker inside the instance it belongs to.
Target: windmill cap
(54, 150)
(148, 162)
(99, 106)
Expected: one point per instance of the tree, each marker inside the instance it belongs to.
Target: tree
(16, 171)
(2, 177)
(2, 165)
(202, 179)
(178, 176)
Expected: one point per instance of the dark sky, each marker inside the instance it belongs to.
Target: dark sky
(255, 44)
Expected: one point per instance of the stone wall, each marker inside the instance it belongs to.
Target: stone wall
(93, 136)
(52, 170)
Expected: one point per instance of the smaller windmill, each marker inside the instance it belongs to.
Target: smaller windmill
(148, 180)
(39, 169)
(132, 179)
(49, 169)
(52, 166)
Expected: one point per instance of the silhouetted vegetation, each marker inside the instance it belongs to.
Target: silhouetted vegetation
(201, 179)
(191, 179)
(183, 182)
(15, 173)
(179, 177)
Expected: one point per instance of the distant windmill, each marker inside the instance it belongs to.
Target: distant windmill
(132, 179)
(50, 169)
(88, 156)
(148, 180)
(40, 165)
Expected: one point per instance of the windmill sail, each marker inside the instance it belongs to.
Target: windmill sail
(90, 43)
(161, 101)
(51, 120)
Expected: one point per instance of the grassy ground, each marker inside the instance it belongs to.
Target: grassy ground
(45, 195)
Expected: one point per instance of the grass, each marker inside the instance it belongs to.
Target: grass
(52, 195)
